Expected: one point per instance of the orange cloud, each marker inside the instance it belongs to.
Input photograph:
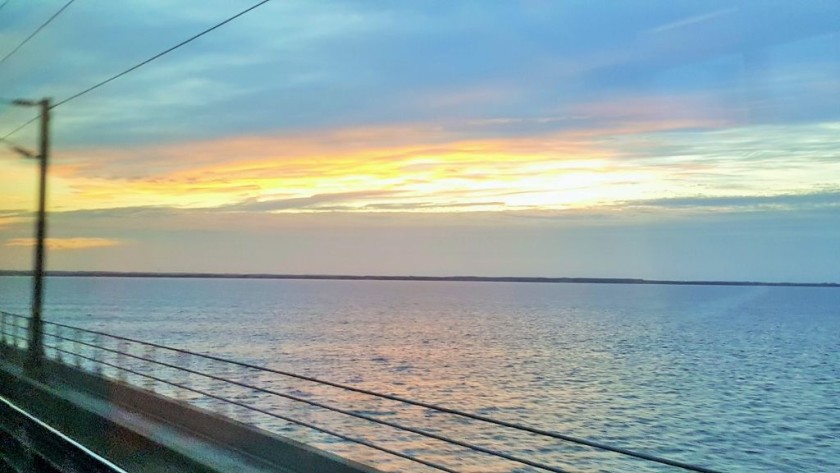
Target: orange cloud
(426, 168)
(652, 113)
(78, 243)
(11, 219)
(375, 168)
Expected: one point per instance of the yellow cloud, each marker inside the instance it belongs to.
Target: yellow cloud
(428, 169)
(10, 219)
(394, 167)
(78, 243)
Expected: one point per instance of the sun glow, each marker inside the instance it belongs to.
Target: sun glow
(412, 170)
(303, 175)
(75, 243)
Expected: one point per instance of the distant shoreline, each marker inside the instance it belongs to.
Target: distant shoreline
(335, 277)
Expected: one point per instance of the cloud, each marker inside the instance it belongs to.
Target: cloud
(316, 201)
(298, 65)
(662, 243)
(348, 114)
(60, 244)
(395, 167)
(782, 201)
(13, 218)
(692, 20)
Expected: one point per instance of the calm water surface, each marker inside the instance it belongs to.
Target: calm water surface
(743, 379)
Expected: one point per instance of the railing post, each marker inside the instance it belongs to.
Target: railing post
(149, 354)
(19, 340)
(59, 343)
(222, 406)
(247, 415)
(77, 347)
(97, 354)
(122, 347)
(183, 361)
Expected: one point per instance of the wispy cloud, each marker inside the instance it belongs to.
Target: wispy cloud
(381, 168)
(13, 217)
(318, 201)
(800, 202)
(312, 115)
(692, 20)
(60, 244)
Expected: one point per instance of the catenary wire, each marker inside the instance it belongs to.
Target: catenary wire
(158, 55)
(20, 127)
(37, 30)
(141, 64)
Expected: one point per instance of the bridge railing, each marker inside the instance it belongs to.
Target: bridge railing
(391, 431)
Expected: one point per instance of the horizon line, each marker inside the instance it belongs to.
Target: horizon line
(345, 277)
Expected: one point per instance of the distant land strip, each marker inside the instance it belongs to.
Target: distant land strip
(340, 277)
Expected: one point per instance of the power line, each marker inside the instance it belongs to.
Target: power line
(141, 64)
(20, 127)
(37, 30)
(158, 55)
(4, 4)
(5, 101)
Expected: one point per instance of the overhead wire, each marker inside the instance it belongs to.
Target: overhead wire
(158, 55)
(5, 139)
(37, 30)
(20, 127)
(141, 64)
(22, 44)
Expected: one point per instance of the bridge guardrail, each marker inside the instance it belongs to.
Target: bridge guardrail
(225, 385)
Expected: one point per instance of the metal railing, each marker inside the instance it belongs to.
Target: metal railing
(31, 433)
(221, 384)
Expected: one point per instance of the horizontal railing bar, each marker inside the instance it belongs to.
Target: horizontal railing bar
(98, 459)
(8, 324)
(447, 410)
(3, 312)
(424, 433)
(246, 406)
(13, 335)
(262, 411)
(12, 324)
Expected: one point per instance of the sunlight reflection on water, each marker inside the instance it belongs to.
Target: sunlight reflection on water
(735, 378)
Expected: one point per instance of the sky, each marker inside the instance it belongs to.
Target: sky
(653, 139)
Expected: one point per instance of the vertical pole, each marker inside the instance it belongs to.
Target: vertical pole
(183, 361)
(149, 354)
(36, 348)
(96, 353)
(122, 349)
(77, 347)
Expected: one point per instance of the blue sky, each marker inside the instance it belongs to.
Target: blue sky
(679, 139)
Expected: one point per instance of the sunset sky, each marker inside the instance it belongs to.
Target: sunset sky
(654, 139)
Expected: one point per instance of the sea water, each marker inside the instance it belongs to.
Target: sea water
(742, 379)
